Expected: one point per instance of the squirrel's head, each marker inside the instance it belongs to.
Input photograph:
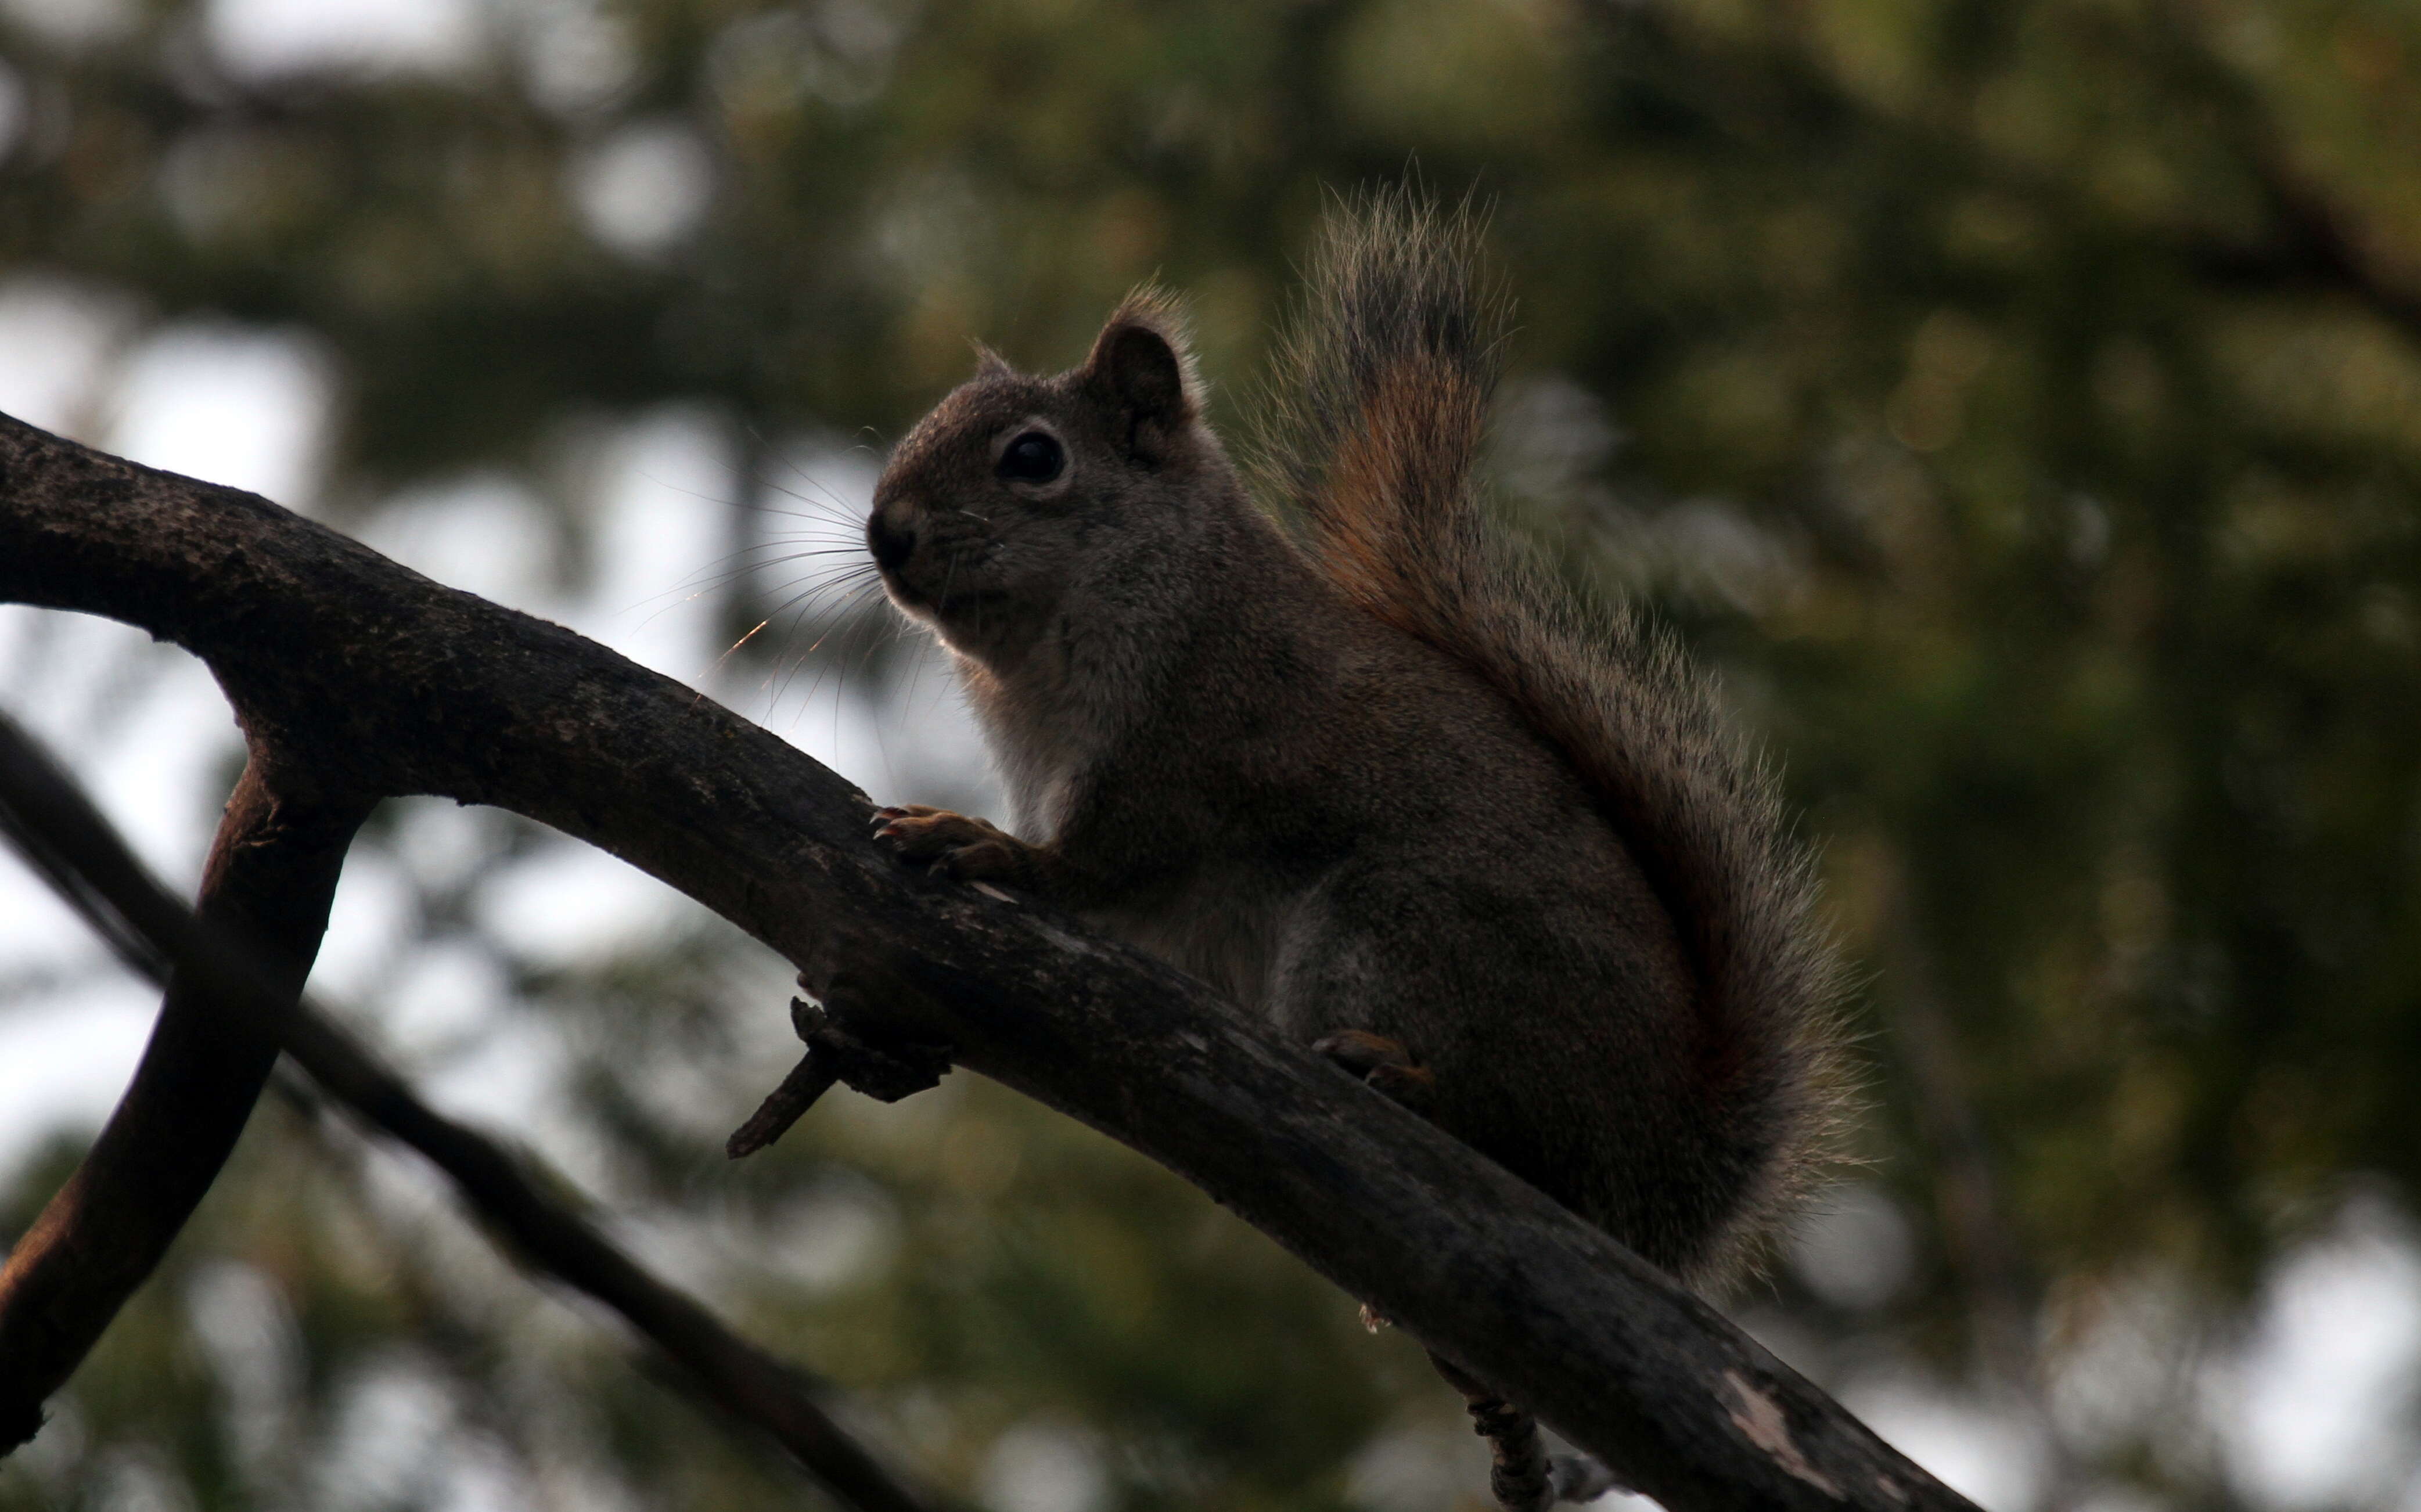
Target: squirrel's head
(1018, 489)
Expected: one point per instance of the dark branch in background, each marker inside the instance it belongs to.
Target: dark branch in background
(2315, 242)
(267, 884)
(380, 682)
(1983, 1241)
(1775, 93)
(74, 846)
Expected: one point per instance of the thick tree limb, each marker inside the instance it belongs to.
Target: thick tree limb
(69, 841)
(386, 683)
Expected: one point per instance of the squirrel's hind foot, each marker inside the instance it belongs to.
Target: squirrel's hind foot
(1382, 1064)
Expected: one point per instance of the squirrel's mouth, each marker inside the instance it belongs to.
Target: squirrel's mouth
(908, 601)
(928, 606)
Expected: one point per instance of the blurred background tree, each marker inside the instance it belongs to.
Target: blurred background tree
(2019, 399)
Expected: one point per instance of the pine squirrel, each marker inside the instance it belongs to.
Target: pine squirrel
(1383, 781)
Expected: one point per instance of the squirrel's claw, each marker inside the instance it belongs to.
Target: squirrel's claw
(890, 814)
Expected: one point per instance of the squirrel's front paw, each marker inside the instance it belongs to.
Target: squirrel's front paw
(953, 845)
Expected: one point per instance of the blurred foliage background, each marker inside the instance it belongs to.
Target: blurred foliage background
(2019, 399)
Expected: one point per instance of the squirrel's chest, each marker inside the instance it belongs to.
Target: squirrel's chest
(1038, 747)
(1040, 774)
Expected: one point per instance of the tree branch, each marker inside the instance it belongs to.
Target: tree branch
(387, 683)
(69, 841)
(1772, 87)
(267, 881)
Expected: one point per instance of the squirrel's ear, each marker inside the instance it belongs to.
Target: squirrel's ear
(1141, 367)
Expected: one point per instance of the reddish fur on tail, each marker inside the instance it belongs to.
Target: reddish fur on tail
(1380, 415)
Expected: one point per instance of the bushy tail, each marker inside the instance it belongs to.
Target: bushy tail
(1378, 418)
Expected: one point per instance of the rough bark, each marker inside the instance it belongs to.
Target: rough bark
(386, 683)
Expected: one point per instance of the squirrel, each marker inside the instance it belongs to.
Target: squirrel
(1381, 779)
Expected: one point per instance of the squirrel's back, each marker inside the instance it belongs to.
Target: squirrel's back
(1378, 418)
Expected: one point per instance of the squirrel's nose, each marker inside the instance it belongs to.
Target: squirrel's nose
(891, 544)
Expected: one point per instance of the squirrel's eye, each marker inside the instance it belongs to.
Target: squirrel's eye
(1032, 457)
